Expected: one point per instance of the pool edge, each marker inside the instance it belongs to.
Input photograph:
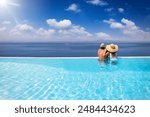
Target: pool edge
(75, 57)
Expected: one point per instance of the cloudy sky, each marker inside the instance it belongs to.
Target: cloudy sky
(74, 20)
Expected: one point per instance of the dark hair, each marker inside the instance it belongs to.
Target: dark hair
(102, 47)
(107, 50)
(114, 52)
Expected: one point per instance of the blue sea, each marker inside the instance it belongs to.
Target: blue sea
(68, 49)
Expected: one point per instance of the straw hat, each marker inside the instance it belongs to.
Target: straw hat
(102, 45)
(112, 48)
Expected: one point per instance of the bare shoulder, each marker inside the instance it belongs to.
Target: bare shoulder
(99, 49)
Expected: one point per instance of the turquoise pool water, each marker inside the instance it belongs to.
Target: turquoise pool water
(74, 78)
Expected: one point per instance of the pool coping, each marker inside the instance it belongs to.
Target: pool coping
(75, 57)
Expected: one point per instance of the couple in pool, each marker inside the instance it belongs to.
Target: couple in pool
(108, 51)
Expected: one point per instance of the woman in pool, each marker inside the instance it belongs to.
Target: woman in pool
(111, 51)
(101, 52)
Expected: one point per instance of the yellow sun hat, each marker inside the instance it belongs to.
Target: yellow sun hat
(112, 48)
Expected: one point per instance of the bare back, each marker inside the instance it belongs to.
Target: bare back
(101, 54)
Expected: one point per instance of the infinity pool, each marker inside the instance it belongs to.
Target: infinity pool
(74, 78)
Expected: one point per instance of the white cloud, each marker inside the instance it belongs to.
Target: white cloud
(129, 29)
(59, 24)
(121, 10)
(42, 33)
(27, 33)
(77, 32)
(65, 30)
(23, 32)
(24, 27)
(114, 24)
(102, 35)
(97, 2)
(59, 31)
(128, 24)
(73, 7)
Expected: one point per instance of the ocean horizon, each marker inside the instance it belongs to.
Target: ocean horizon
(68, 49)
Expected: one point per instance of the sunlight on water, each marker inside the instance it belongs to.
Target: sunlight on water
(74, 79)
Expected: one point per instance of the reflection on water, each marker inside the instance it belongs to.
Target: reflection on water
(107, 62)
(103, 62)
(114, 62)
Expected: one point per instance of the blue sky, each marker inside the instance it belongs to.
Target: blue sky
(74, 20)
